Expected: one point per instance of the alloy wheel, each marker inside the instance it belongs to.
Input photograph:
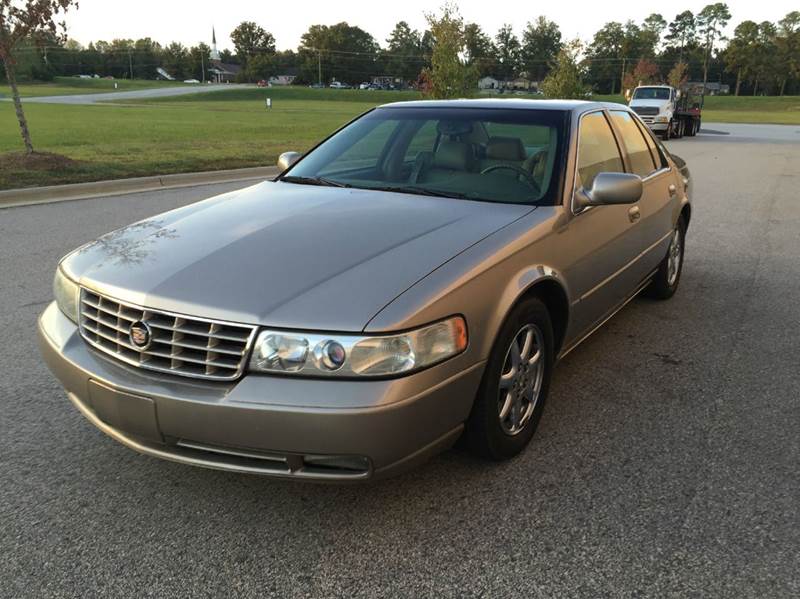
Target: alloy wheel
(674, 258)
(521, 379)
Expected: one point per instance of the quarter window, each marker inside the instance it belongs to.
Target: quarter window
(639, 153)
(597, 149)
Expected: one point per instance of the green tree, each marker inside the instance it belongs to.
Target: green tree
(566, 78)
(342, 52)
(541, 43)
(250, 39)
(652, 28)
(682, 32)
(604, 55)
(740, 55)
(507, 52)
(20, 21)
(176, 60)
(449, 75)
(198, 61)
(478, 49)
(788, 49)
(710, 23)
(403, 56)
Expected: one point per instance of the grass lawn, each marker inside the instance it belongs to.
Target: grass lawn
(171, 135)
(70, 86)
(227, 129)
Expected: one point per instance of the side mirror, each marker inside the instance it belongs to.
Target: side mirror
(610, 188)
(287, 159)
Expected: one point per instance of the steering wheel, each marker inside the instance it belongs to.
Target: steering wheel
(520, 171)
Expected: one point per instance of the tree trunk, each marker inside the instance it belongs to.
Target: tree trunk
(23, 122)
(783, 85)
(738, 81)
(755, 86)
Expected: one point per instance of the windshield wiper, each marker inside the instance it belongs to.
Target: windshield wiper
(314, 181)
(422, 191)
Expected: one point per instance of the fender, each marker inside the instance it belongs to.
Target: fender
(518, 287)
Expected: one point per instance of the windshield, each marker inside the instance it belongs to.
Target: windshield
(497, 155)
(651, 93)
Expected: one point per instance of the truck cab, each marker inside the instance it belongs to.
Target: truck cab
(655, 105)
(668, 111)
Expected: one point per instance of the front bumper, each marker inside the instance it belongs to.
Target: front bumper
(658, 126)
(277, 426)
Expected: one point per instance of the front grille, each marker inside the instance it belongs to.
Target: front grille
(649, 110)
(178, 344)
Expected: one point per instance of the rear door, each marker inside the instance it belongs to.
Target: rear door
(656, 207)
(603, 240)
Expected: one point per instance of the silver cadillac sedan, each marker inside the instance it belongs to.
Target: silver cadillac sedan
(411, 280)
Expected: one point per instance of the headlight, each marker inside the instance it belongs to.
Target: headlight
(67, 294)
(317, 354)
(661, 119)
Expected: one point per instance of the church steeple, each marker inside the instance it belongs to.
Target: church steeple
(214, 51)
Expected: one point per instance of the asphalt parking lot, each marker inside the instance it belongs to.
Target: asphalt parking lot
(666, 463)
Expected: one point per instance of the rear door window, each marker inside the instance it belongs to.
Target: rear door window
(639, 153)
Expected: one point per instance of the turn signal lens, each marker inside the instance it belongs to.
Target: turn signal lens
(67, 295)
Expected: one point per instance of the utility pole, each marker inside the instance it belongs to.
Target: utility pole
(319, 66)
(203, 66)
(130, 62)
(622, 77)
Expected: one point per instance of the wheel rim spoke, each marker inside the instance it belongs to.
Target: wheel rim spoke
(506, 407)
(520, 381)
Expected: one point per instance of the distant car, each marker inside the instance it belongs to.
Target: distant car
(316, 86)
(364, 85)
(193, 81)
(339, 85)
(412, 279)
(262, 83)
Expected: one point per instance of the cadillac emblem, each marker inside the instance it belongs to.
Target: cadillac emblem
(140, 335)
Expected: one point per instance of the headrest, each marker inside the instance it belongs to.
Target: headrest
(505, 148)
(453, 155)
(454, 128)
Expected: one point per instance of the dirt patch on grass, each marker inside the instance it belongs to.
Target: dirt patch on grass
(38, 161)
(19, 170)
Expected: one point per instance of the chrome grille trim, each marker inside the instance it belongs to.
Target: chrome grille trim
(181, 345)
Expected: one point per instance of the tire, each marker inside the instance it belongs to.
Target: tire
(665, 281)
(489, 432)
(667, 132)
(679, 129)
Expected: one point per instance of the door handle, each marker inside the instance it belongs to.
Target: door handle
(672, 189)
(634, 214)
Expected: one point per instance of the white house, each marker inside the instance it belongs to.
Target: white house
(488, 83)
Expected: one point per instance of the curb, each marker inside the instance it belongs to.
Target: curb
(84, 191)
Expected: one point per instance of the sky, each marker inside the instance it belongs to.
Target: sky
(190, 22)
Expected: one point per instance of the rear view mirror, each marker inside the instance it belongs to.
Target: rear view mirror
(609, 189)
(287, 159)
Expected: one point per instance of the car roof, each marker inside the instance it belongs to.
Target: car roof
(509, 103)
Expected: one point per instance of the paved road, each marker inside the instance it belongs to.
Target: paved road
(138, 94)
(665, 465)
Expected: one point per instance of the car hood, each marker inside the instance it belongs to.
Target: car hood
(286, 255)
